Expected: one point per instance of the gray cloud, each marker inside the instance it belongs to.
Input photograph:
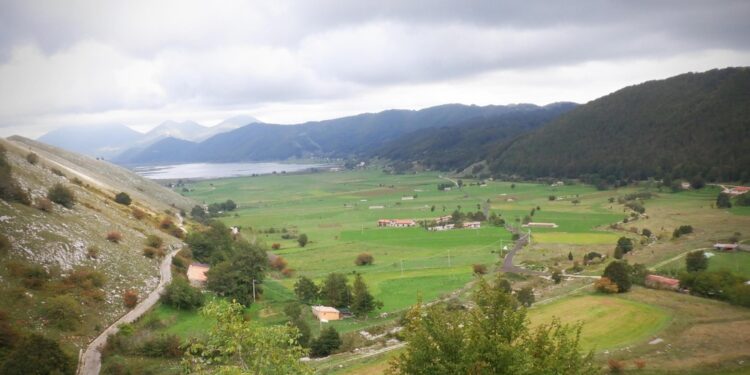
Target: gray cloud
(99, 59)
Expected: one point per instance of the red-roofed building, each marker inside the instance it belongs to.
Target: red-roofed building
(662, 282)
(738, 190)
(725, 246)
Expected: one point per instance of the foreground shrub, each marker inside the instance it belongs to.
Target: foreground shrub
(36, 354)
(364, 259)
(130, 298)
(605, 285)
(138, 213)
(682, 230)
(278, 263)
(328, 341)
(640, 364)
(150, 252)
(153, 240)
(166, 223)
(4, 244)
(85, 278)
(92, 252)
(43, 204)
(63, 311)
(180, 295)
(479, 269)
(164, 346)
(123, 198)
(33, 276)
(61, 195)
(114, 236)
(266, 350)
(615, 366)
(177, 232)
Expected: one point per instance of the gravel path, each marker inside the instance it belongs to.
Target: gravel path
(91, 360)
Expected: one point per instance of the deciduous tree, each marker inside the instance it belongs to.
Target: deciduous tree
(492, 338)
(236, 346)
(696, 261)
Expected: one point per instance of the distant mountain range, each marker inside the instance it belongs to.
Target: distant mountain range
(108, 141)
(695, 124)
(354, 136)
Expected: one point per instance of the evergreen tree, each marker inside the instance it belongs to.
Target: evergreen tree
(362, 301)
(328, 341)
(335, 290)
(722, 201)
(306, 290)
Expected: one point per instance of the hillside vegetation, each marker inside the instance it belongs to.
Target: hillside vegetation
(695, 124)
(71, 252)
(458, 146)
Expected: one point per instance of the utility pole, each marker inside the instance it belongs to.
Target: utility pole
(253, 290)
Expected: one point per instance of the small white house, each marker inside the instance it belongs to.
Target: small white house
(440, 228)
(326, 313)
(472, 225)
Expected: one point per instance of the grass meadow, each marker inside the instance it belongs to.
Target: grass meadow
(339, 213)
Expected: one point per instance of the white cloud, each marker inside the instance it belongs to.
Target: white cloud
(141, 62)
(87, 77)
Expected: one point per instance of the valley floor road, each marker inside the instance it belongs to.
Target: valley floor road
(91, 360)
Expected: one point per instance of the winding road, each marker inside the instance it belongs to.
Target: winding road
(508, 265)
(91, 360)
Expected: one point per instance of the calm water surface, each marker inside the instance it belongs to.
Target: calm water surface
(218, 170)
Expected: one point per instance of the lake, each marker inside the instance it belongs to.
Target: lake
(218, 170)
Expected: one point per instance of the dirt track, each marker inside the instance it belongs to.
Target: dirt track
(91, 360)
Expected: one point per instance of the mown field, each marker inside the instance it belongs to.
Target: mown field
(335, 211)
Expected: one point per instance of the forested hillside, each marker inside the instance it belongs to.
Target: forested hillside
(458, 146)
(695, 124)
(356, 135)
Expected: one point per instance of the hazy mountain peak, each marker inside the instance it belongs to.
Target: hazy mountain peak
(237, 122)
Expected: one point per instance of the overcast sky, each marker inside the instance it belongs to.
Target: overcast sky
(143, 62)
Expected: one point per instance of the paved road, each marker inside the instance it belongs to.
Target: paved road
(91, 361)
(508, 265)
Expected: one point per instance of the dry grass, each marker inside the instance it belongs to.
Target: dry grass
(703, 333)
